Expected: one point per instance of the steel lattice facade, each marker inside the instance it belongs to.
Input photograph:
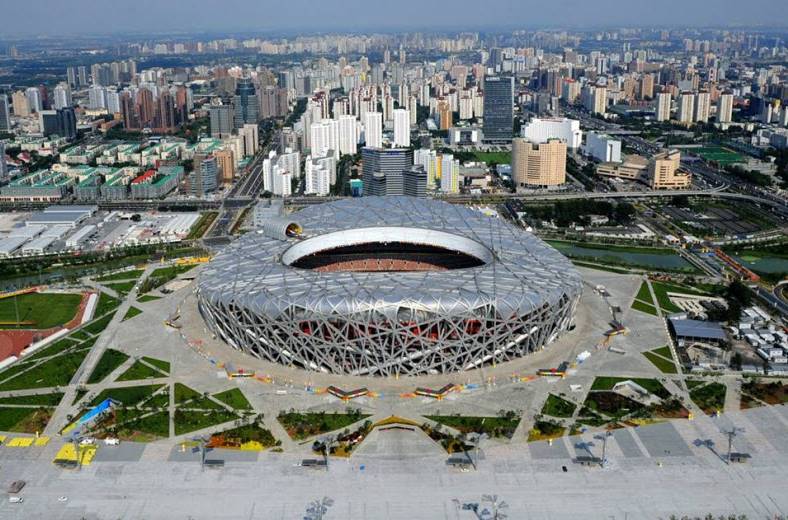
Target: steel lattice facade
(390, 323)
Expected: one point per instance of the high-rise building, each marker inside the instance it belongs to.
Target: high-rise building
(498, 108)
(251, 136)
(373, 129)
(204, 178)
(62, 95)
(725, 108)
(664, 171)
(5, 114)
(702, 106)
(97, 97)
(246, 104)
(20, 104)
(324, 136)
(686, 108)
(145, 108)
(414, 181)
(221, 117)
(34, 101)
(536, 165)
(165, 115)
(647, 86)
(595, 99)
(663, 106)
(430, 161)
(61, 122)
(382, 169)
(129, 112)
(71, 77)
(401, 127)
(225, 160)
(3, 164)
(450, 174)
(348, 134)
(317, 178)
(273, 102)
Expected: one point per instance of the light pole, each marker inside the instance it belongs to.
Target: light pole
(607, 435)
(731, 435)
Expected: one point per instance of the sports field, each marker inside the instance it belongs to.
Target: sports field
(721, 155)
(38, 310)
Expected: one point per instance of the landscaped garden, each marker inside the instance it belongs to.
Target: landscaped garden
(307, 424)
(502, 426)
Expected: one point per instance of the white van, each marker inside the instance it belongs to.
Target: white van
(15, 500)
(109, 441)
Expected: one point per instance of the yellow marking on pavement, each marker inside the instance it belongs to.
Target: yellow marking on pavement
(21, 442)
(42, 441)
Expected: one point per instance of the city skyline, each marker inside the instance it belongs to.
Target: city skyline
(55, 18)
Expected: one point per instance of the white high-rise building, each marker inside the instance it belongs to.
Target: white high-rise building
(450, 174)
(401, 128)
(429, 159)
(725, 108)
(97, 98)
(34, 99)
(702, 107)
(281, 181)
(348, 134)
(603, 147)
(250, 133)
(324, 136)
(373, 129)
(62, 95)
(686, 108)
(113, 103)
(317, 178)
(663, 106)
(539, 130)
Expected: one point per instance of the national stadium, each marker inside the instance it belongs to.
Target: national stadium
(388, 286)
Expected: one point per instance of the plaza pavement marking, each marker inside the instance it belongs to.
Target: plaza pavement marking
(42, 441)
(20, 442)
(67, 452)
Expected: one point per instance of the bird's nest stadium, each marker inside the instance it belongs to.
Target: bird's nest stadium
(388, 286)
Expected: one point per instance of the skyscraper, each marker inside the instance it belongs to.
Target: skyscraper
(686, 108)
(401, 127)
(20, 104)
(382, 169)
(62, 95)
(348, 134)
(498, 108)
(538, 164)
(3, 165)
(62, 122)
(414, 181)
(34, 102)
(373, 129)
(221, 117)
(246, 104)
(5, 114)
(450, 174)
(702, 106)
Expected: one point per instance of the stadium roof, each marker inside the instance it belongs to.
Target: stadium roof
(697, 329)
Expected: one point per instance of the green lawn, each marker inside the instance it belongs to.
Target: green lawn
(43, 310)
(148, 298)
(133, 311)
(251, 432)
(664, 366)
(163, 275)
(57, 371)
(162, 365)
(98, 326)
(123, 275)
(106, 304)
(160, 400)
(644, 294)
(110, 360)
(494, 157)
(661, 290)
(188, 421)
(34, 400)
(128, 396)
(234, 398)
(302, 425)
(23, 420)
(156, 425)
(183, 393)
(663, 351)
(558, 407)
(139, 370)
(50, 350)
(122, 288)
(709, 398)
(652, 385)
(492, 426)
(643, 307)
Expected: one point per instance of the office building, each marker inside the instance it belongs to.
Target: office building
(373, 129)
(414, 181)
(204, 178)
(541, 130)
(382, 169)
(535, 165)
(602, 147)
(664, 171)
(62, 122)
(498, 108)
(250, 133)
(725, 108)
(225, 161)
(222, 120)
(663, 106)
(401, 127)
(246, 105)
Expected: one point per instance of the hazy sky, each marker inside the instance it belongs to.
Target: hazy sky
(106, 16)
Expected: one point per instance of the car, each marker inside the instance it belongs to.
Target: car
(62, 499)
(87, 441)
(109, 441)
(15, 500)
